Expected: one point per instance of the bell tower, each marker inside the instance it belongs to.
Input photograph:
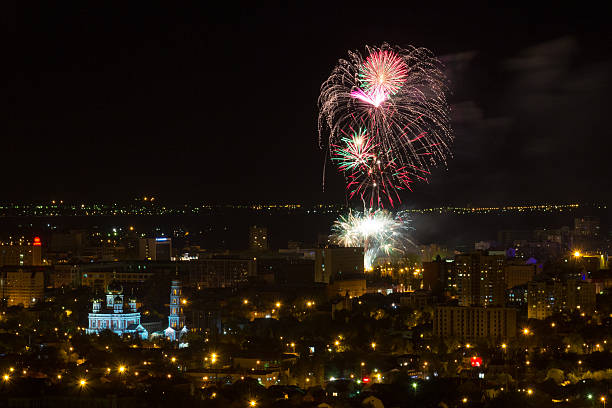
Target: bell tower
(176, 319)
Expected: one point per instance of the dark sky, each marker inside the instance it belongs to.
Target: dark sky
(219, 104)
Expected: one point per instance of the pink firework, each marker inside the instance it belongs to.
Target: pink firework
(398, 96)
(382, 74)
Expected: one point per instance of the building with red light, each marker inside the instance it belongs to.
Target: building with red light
(21, 252)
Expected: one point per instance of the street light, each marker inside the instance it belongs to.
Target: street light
(6, 377)
(121, 369)
(373, 346)
(252, 403)
(603, 401)
(526, 331)
(464, 400)
(82, 382)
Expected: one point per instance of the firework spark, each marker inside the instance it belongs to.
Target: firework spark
(398, 97)
(378, 232)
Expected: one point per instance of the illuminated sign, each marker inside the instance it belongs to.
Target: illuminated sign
(161, 239)
(36, 241)
(365, 379)
(476, 361)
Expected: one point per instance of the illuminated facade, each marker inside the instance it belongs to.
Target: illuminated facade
(115, 313)
(22, 286)
(480, 279)
(548, 297)
(176, 319)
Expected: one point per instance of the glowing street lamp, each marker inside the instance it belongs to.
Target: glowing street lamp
(252, 403)
(373, 345)
(526, 331)
(121, 369)
(82, 382)
(6, 378)
(603, 401)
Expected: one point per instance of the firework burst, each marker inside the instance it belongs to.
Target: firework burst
(356, 153)
(398, 97)
(382, 74)
(378, 232)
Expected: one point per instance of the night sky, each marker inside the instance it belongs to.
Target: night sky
(220, 104)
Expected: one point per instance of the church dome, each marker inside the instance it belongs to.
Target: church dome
(118, 299)
(115, 287)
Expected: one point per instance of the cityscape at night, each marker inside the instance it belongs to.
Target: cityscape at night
(306, 206)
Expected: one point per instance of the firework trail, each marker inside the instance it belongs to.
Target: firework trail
(378, 232)
(396, 98)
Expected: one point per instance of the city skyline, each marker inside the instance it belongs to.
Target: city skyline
(298, 205)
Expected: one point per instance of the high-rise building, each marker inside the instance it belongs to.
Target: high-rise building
(219, 272)
(437, 275)
(155, 249)
(480, 279)
(518, 274)
(580, 296)
(338, 263)
(547, 297)
(22, 286)
(258, 238)
(544, 299)
(468, 323)
(586, 227)
(98, 279)
(176, 318)
(21, 253)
